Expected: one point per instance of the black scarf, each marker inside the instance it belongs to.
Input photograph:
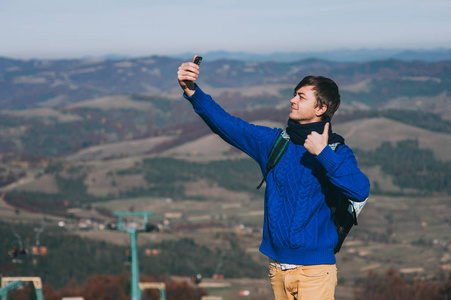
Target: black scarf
(298, 132)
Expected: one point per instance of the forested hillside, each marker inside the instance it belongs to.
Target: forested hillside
(86, 257)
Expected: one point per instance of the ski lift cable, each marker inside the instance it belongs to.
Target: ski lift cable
(19, 239)
(38, 234)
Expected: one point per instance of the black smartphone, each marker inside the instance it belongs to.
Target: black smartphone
(198, 60)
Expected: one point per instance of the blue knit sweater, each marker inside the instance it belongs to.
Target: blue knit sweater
(297, 228)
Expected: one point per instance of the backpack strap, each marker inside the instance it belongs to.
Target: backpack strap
(343, 211)
(331, 199)
(277, 151)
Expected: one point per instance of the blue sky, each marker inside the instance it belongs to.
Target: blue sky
(68, 29)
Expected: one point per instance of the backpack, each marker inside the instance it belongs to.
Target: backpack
(344, 212)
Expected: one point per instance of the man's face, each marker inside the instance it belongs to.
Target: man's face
(304, 108)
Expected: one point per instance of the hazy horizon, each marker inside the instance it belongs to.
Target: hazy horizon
(53, 30)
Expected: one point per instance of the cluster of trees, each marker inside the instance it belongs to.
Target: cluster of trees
(8, 175)
(49, 137)
(420, 119)
(184, 256)
(236, 174)
(111, 287)
(73, 192)
(71, 257)
(391, 285)
(166, 176)
(380, 90)
(37, 201)
(410, 166)
(95, 126)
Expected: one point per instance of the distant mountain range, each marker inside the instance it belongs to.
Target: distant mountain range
(338, 55)
(53, 83)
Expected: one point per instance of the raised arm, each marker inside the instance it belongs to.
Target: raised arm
(254, 140)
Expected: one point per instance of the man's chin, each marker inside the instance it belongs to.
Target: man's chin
(293, 119)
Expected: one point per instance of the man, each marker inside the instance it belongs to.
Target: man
(299, 235)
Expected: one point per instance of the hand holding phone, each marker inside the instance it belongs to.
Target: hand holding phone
(186, 76)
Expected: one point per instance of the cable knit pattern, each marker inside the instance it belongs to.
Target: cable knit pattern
(297, 228)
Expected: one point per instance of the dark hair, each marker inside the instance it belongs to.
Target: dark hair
(326, 92)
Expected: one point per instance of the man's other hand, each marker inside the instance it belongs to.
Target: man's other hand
(315, 142)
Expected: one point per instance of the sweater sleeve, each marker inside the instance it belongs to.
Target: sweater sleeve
(343, 172)
(254, 140)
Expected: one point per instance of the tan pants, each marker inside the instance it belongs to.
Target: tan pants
(316, 282)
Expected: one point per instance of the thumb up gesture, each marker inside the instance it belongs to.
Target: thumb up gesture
(315, 142)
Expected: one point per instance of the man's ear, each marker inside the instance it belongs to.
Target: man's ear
(320, 110)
